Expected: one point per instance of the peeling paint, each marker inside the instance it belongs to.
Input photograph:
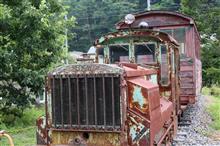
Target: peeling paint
(138, 130)
(138, 97)
(153, 79)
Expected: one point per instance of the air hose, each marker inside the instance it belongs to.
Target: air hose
(4, 134)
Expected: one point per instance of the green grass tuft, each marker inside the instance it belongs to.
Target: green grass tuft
(214, 110)
(214, 107)
(23, 131)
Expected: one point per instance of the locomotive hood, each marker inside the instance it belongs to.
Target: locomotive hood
(87, 69)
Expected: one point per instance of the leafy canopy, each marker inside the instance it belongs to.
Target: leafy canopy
(32, 39)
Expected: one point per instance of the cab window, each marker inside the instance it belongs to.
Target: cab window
(119, 53)
(179, 35)
(164, 66)
(100, 53)
(145, 53)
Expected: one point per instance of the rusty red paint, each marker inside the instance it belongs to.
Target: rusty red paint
(160, 36)
(42, 134)
(148, 110)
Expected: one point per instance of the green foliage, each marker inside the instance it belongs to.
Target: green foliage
(213, 107)
(32, 39)
(205, 91)
(23, 130)
(71, 59)
(28, 118)
(171, 5)
(207, 15)
(95, 18)
(211, 62)
(214, 110)
(215, 91)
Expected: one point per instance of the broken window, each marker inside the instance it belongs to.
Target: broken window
(100, 53)
(145, 53)
(119, 53)
(179, 35)
(164, 66)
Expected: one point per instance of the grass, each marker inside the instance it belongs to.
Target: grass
(214, 107)
(23, 132)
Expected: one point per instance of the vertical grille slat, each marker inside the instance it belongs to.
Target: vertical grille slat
(65, 102)
(61, 101)
(73, 105)
(113, 101)
(108, 101)
(104, 106)
(95, 98)
(99, 101)
(91, 105)
(82, 101)
(77, 92)
(70, 102)
(86, 102)
(53, 102)
(117, 101)
(57, 103)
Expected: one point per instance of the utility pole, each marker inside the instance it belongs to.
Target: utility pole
(148, 5)
(66, 44)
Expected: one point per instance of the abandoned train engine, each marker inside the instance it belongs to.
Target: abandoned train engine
(131, 96)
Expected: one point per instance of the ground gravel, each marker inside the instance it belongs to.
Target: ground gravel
(195, 130)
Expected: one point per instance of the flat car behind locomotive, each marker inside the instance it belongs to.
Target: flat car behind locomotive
(133, 94)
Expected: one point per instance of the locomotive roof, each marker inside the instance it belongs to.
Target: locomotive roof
(160, 36)
(186, 20)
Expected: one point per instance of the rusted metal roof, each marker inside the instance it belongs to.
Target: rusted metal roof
(188, 19)
(160, 36)
(90, 68)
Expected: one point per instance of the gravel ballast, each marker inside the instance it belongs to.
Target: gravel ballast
(194, 126)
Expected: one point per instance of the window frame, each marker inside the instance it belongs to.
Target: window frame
(168, 65)
(155, 51)
(109, 51)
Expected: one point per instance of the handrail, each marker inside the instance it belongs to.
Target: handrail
(3, 133)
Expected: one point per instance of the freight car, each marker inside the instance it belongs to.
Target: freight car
(133, 94)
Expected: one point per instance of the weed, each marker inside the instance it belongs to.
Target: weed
(214, 107)
(23, 130)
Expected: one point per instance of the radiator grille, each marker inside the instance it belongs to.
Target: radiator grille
(88, 102)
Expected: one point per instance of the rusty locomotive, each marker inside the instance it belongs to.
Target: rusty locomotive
(143, 77)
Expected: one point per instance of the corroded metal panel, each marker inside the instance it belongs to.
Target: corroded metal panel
(41, 133)
(160, 36)
(139, 130)
(85, 139)
(137, 99)
(81, 69)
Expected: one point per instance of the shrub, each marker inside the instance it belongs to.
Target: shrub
(215, 91)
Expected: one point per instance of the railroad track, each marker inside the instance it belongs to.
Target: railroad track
(193, 127)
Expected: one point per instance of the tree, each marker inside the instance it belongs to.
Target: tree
(95, 18)
(207, 15)
(211, 62)
(32, 39)
(171, 5)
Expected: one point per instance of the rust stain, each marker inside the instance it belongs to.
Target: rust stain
(42, 135)
(138, 98)
(86, 138)
(139, 130)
